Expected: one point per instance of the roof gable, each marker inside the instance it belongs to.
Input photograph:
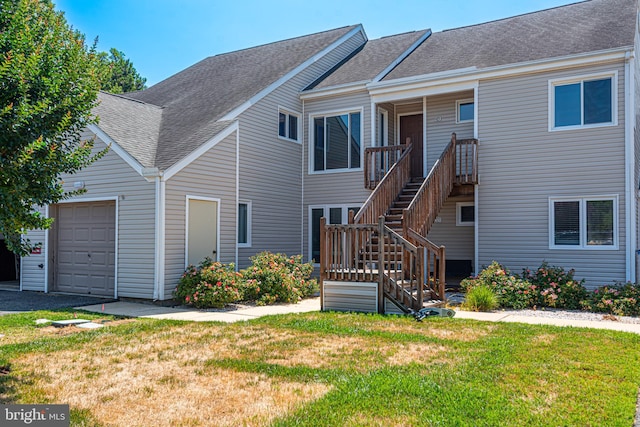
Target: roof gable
(195, 99)
(577, 28)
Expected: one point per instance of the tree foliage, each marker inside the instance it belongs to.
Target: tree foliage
(49, 80)
(120, 75)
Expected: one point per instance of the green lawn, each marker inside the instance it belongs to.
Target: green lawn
(323, 369)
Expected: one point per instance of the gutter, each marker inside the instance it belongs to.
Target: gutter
(629, 167)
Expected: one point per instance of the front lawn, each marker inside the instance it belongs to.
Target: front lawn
(323, 369)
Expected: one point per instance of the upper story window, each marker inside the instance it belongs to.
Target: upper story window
(288, 125)
(582, 102)
(584, 223)
(464, 110)
(336, 140)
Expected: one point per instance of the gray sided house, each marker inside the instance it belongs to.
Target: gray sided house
(342, 148)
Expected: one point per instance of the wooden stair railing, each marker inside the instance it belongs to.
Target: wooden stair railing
(435, 265)
(387, 190)
(456, 165)
(378, 161)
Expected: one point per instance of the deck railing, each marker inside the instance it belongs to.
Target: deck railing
(466, 161)
(378, 161)
(373, 253)
(386, 191)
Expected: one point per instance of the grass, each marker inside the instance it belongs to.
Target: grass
(323, 369)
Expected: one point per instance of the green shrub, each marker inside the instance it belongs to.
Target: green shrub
(621, 300)
(275, 278)
(211, 284)
(510, 290)
(554, 287)
(480, 298)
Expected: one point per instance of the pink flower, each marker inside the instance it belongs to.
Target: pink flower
(187, 298)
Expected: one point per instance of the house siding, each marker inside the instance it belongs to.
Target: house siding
(270, 169)
(111, 177)
(522, 165)
(32, 277)
(334, 188)
(212, 175)
(458, 240)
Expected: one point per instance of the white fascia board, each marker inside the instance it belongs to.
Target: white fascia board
(177, 167)
(402, 56)
(124, 154)
(342, 89)
(233, 114)
(440, 88)
(472, 73)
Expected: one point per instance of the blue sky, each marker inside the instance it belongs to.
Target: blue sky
(162, 37)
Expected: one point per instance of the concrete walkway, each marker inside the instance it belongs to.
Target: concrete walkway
(131, 309)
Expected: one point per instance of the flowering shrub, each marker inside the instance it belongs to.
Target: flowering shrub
(277, 278)
(621, 300)
(553, 287)
(511, 291)
(211, 284)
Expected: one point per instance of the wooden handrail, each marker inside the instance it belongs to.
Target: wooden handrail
(435, 265)
(386, 191)
(425, 206)
(378, 161)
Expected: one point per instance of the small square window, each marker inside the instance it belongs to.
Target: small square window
(465, 214)
(464, 111)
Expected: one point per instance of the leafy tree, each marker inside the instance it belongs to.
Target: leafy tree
(49, 80)
(121, 76)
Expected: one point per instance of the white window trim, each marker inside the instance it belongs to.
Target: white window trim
(579, 79)
(583, 223)
(287, 112)
(249, 223)
(345, 219)
(459, 221)
(464, 101)
(383, 139)
(312, 116)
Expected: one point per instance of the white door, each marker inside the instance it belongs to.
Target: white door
(202, 232)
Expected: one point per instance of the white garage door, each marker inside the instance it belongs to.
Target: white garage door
(85, 251)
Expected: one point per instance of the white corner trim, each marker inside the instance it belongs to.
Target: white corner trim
(158, 285)
(233, 114)
(124, 154)
(236, 258)
(402, 56)
(177, 167)
(46, 252)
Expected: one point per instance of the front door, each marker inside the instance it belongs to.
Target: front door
(202, 231)
(411, 127)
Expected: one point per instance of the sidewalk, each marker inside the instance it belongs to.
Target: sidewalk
(131, 309)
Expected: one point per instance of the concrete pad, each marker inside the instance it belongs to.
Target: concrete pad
(70, 322)
(595, 324)
(478, 315)
(90, 325)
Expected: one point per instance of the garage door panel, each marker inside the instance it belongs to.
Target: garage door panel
(86, 248)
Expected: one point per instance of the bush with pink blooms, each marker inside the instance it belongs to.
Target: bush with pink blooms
(210, 284)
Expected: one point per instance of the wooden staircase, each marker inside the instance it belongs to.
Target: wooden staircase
(385, 241)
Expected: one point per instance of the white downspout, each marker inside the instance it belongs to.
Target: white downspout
(158, 285)
(476, 201)
(629, 169)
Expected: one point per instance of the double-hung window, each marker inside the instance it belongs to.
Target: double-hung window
(336, 140)
(288, 125)
(583, 102)
(584, 223)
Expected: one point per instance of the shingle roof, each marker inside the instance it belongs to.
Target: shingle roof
(195, 99)
(133, 125)
(567, 30)
(371, 60)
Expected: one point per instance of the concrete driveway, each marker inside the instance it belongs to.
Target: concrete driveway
(16, 302)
